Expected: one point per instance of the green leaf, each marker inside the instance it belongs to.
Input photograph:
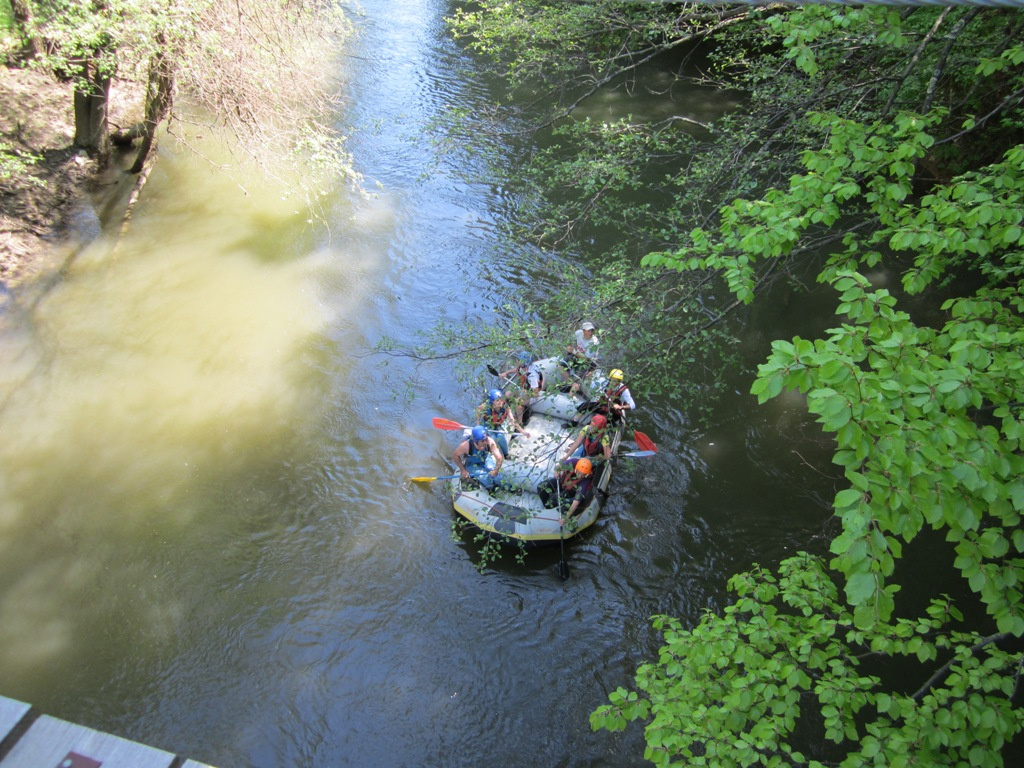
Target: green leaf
(860, 587)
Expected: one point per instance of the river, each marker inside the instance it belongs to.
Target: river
(207, 538)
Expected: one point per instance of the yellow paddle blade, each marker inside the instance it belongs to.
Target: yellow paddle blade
(428, 479)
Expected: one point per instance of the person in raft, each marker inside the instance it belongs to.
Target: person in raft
(571, 490)
(594, 441)
(493, 413)
(581, 356)
(479, 457)
(616, 399)
(529, 381)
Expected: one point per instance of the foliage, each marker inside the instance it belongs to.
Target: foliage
(637, 186)
(566, 52)
(869, 138)
(14, 163)
(490, 547)
(788, 657)
(631, 310)
(902, 399)
(225, 61)
(926, 429)
(903, 402)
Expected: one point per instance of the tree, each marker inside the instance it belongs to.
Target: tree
(928, 430)
(257, 69)
(786, 658)
(642, 187)
(21, 14)
(879, 136)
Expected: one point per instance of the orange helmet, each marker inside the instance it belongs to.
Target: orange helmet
(584, 467)
(599, 421)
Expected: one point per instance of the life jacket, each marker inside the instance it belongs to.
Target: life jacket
(495, 420)
(614, 396)
(607, 399)
(592, 442)
(572, 485)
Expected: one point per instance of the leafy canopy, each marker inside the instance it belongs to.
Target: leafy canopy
(868, 138)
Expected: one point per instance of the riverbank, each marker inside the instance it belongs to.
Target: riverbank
(36, 118)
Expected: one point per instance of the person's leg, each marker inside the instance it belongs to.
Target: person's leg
(485, 478)
(546, 491)
(479, 469)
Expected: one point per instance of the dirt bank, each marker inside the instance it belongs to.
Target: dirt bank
(36, 117)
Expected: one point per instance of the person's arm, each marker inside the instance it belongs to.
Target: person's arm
(606, 446)
(574, 446)
(511, 415)
(627, 399)
(625, 402)
(459, 458)
(496, 453)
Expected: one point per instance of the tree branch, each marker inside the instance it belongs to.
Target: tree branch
(945, 669)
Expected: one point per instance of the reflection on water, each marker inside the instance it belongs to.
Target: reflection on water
(130, 386)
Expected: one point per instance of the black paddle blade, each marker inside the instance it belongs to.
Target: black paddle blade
(492, 370)
(563, 570)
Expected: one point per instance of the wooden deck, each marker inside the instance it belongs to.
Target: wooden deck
(31, 740)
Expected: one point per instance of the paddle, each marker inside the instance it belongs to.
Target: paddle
(643, 442)
(627, 455)
(563, 564)
(452, 425)
(449, 424)
(429, 479)
(636, 454)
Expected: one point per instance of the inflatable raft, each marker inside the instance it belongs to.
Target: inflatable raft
(513, 508)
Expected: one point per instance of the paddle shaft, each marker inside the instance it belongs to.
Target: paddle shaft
(431, 479)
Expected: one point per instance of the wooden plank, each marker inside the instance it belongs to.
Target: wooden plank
(11, 713)
(53, 743)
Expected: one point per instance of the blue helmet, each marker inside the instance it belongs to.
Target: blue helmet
(479, 433)
(524, 357)
(495, 394)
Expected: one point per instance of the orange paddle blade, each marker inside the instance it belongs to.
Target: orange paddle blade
(447, 424)
(643, 442)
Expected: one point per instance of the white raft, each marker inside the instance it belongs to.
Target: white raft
(513, 509)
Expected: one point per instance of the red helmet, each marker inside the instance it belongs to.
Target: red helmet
(599, 421)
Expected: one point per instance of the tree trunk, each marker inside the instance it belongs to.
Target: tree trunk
(21, 11)
(158, 102)
(92, 92)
